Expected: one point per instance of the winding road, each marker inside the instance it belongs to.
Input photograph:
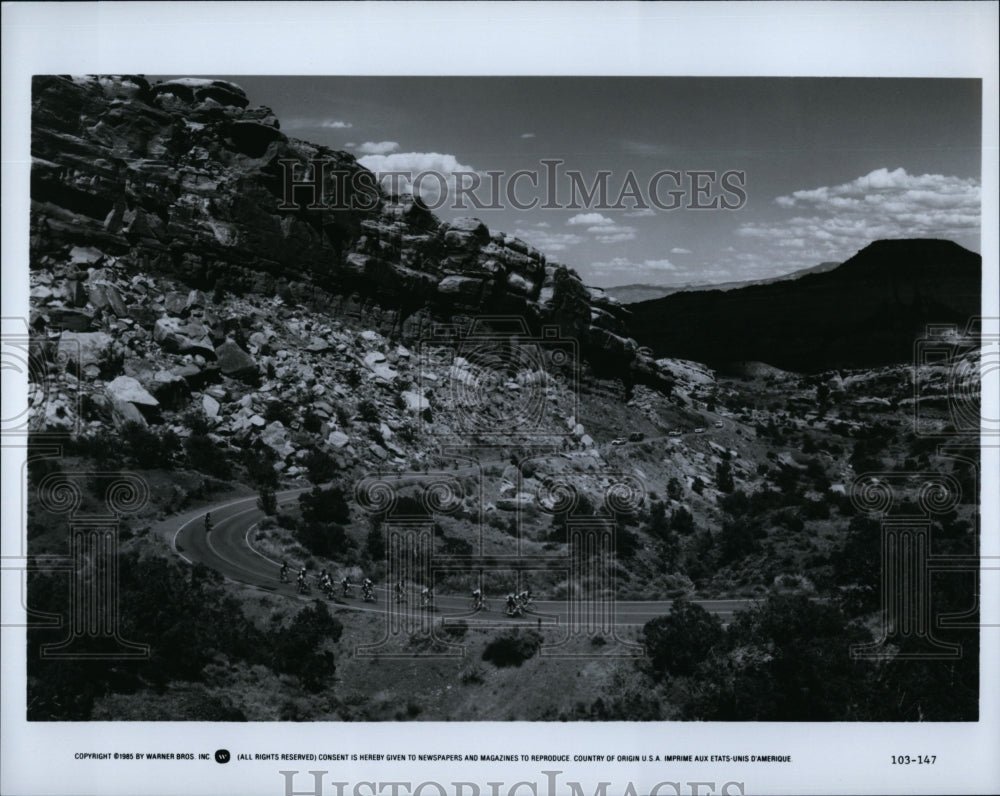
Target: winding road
(228, 550)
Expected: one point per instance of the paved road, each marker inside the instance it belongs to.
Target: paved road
(228, 549)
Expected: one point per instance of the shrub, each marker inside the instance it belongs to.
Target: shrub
(204, 456)
(681, 521)
(368, 411)
(320, 466)
(472, 674)
(678, 642)
(267, 501)
(738, 539)
(259, 464)
(311, 422)
(512, 648)
(724, 477)
(280, 411)
(298, 649)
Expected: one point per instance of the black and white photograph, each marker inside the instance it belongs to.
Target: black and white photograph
(514, 405)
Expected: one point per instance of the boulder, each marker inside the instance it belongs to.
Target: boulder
(235, 362)
(170, 388)
(375, 362)
(468, 289)
(275, 436)
(175, 303)
(181, 337)
(107, 297)
(123, 412)
(415, 402)
(519, 501)
(210, 405)
(337, 439)
(84, 348)
(126, 388)
(71, 319)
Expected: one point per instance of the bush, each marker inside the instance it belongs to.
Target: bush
(149, 450)
(325, 505)
(738, 539)
(204, 456)
(268, 501)
(678, 642)
(320, 466)
(724, 476)
(789, 663)
(311, 422)
(681, 521)
(375, 543)
(182, 613)
(279, 410)
(512, 648)
(368, 411)
(259, 464)
(298, 649)
(472, 675)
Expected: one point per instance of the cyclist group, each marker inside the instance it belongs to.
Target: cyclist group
(514, 605)
(326, 583)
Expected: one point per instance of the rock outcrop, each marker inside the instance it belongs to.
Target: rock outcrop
(186, 178)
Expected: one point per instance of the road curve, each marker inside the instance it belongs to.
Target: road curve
(228, 550)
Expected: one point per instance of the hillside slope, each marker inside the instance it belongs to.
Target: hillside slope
(184, 178)
(864, 313)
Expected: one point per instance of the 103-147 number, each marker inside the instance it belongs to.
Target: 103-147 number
(909, 760)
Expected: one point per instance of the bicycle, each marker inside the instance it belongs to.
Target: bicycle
(480, 604)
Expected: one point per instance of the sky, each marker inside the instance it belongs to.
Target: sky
(829, 164)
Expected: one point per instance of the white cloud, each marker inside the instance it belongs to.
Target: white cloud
(624, 264)
(401, 171)
(590, 220)
(378, 147)
(350, 145)
(613, 234)
(527, 135)
(622, 270)
(679, 250)
(836, 221)
(604, 229)
(646, 212)
(546, 241)
(313, 123)
(645, 148)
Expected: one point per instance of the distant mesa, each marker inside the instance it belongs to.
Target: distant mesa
(868, 311)
(633, 294)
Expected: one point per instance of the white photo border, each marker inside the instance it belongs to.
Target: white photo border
(683, 39)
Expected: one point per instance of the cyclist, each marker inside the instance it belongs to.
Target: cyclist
(283, 574)
(208, 522)
(368, 589)
(345, 585)
(400, 597)
(427, 595)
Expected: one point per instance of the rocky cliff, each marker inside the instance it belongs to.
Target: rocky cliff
(183, 178)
